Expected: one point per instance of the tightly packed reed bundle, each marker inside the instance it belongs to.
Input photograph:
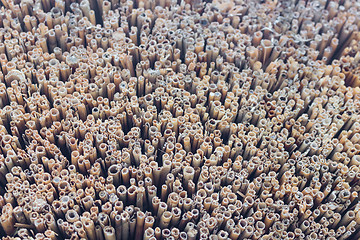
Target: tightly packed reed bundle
(187, 119)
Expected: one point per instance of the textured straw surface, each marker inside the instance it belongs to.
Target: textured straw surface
(179, 119)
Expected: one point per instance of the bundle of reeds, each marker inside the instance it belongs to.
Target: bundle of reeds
(179, 119)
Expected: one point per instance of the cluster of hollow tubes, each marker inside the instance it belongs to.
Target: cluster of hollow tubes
(179, 119)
